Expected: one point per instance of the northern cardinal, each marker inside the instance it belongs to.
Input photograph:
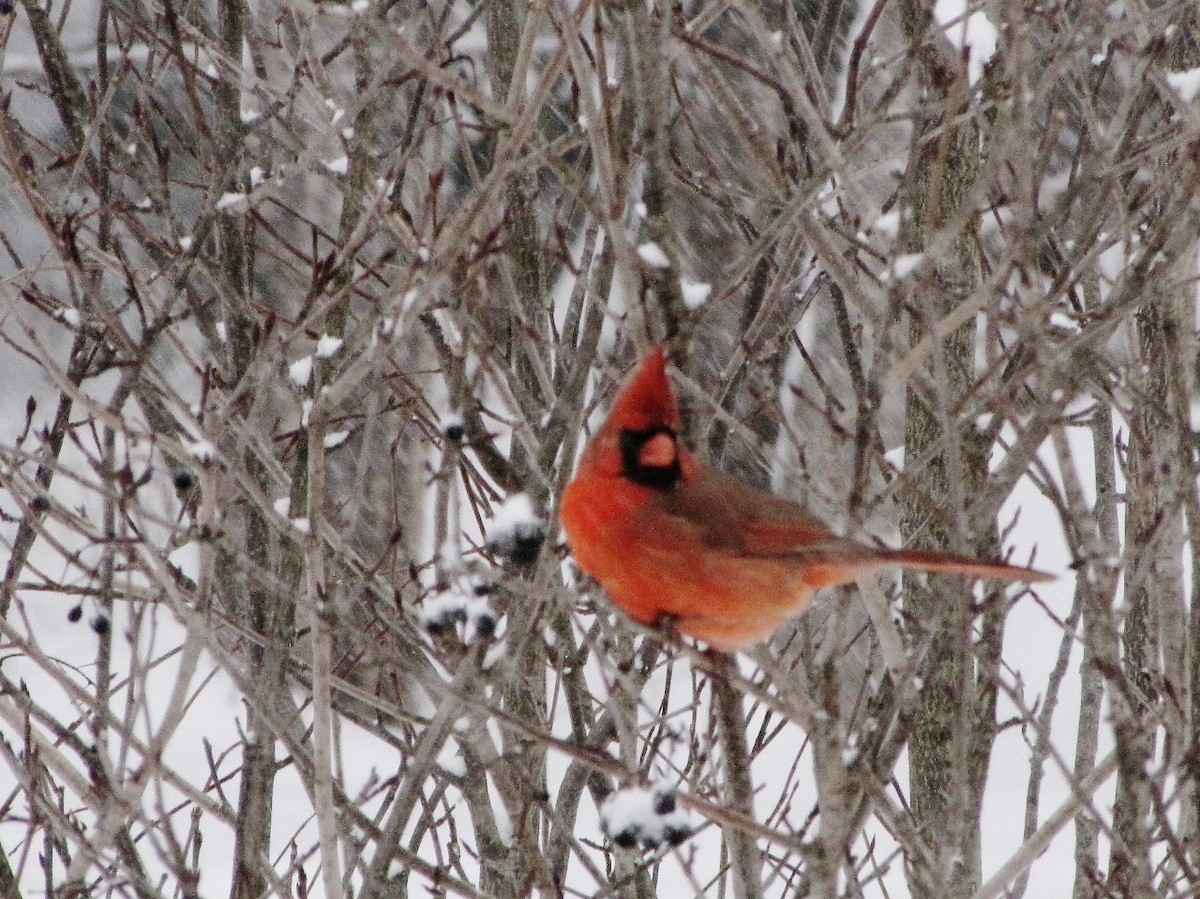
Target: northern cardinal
(670, 538)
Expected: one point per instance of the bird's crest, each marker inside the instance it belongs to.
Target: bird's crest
(647, 400)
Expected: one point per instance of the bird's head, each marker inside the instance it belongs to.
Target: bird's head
(639, 440)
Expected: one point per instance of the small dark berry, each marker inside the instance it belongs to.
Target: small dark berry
(627, 838)
(483, 588)
(677, 834)
(485, 625)
(75, 614)
(40, 503)
(183, 480)
(100, 624)
(664, 803)
(521, 547)
(525, 548)
(454, 431)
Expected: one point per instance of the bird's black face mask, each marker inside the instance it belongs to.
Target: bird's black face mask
(645, 461)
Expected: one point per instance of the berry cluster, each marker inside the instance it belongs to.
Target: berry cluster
(464, 603)
(645, 817)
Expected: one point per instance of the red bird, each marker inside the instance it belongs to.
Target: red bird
(673, 539)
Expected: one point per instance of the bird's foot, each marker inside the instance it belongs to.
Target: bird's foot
(667, 626)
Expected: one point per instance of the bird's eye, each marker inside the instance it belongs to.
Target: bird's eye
(650, 457)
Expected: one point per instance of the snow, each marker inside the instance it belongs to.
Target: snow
(185, 242)
(905, 265)
(652, 254)
(327, 345)
(888, 222)
(1060, 319)
(338, 166)
(973, 32)
(300, 371)
(303, 525)
(202, 451)
(335, 439)
(1186, 84)
(494, 654)
(514, 514)
(644, 816)
(829, 199)
(695, 293)
(233, 201)
(257, 175)
(283, 506)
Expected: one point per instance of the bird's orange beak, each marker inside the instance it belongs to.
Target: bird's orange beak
(658, 452)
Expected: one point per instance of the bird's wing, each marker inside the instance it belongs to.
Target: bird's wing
(732, 515)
